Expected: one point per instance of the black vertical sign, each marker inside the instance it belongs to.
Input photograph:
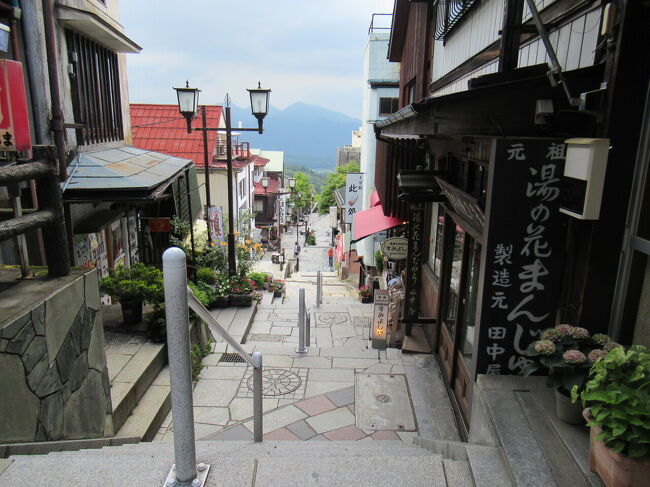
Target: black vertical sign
(523, 251)
(414, 262)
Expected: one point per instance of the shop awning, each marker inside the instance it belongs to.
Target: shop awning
(371, 221)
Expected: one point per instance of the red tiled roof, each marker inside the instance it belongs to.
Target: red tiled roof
(260, 161)
(162, 128)
(274, 186)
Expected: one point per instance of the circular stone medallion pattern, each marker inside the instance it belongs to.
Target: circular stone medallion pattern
(383, 398)
(277, 382)
(332, 318)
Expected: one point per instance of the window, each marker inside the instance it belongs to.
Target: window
(388, 106)
(95, 87)
(242, 188)
(450, 13)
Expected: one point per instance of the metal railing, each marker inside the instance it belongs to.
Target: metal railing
(319, 288)
(178, 300)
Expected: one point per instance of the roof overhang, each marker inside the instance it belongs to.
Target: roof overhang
(94, 26)
(121, 174)
(505, 108)
(372, 220)
(398, 30)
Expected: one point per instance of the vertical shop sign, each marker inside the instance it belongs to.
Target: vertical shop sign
(414, 261)
(380, 319)
(14, 121)
(282, 209)
(215, 224)
(523, 252)
(353, 192)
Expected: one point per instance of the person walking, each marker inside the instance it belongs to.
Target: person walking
(330, 256)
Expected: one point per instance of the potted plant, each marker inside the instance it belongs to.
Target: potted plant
(132, 286)
(365, 294)
(565, 352)
(222, 289)
(241, 289)
(277, 287)
(618, 400)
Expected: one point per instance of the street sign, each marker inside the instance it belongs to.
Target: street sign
(353, 195)
(395, 248)
(380, 319)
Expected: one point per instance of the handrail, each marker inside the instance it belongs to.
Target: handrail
(196, 306)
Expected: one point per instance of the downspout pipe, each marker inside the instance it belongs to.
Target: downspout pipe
(55, 90)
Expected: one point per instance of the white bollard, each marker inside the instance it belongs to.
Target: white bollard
(257, 398)
(180, 367)
(301, 321)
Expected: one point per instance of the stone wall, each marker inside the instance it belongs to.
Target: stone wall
(53, 378)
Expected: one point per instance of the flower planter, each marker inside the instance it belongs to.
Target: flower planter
(615, 470)
(567, 411)
(241, 299)
(131, 311)
(221, 302)
(277, 294)
(366, 299)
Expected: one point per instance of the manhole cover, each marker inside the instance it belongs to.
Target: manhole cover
(277, 382)
(383, 398)
(332, 318)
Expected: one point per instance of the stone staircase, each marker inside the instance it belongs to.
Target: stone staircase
(376, 464)
(140, 391)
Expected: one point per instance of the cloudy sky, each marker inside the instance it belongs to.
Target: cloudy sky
(304, 50)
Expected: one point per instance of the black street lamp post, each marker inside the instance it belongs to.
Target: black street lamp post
(188, 99)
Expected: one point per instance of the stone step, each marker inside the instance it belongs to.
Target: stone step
(457, 473)
(133, 380)
(149, 414)
(251, 467)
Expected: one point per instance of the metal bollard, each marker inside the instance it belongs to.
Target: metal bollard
(319, 290)
(301, 321)
(180, 369)
(307, 329)
(257, 398)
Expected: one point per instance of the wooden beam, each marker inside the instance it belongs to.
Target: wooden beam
(24, 172)
(510, 35)
(22, 224)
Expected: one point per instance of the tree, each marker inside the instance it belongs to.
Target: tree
(302, 195)
(335, 180)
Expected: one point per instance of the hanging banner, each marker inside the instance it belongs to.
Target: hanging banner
(14, 121)
(523, 253)
(215, 224)
(282, 209)
(353, 193)
(414, 261)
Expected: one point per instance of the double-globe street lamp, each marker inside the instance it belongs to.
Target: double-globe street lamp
(188, 102)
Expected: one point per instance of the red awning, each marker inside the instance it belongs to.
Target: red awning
(371, 221)
(374, 199)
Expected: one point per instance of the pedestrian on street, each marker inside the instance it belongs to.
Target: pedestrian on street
(296, 249)
(330, 256)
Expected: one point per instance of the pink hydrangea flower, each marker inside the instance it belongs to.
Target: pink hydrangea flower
(545, 347)
(574, 357)
(580, 333)
(564, 330)
(551, 334)
(597, 354)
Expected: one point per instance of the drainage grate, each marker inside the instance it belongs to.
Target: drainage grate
(232, 358)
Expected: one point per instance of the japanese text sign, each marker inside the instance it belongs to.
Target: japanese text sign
(523, 254)
(215, 224)
(353, 195)
(395, 248)
(380, 319)
(14, 121)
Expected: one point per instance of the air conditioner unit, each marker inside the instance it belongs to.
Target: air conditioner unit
(584, 177)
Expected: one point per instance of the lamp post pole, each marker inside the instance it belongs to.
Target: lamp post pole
(232, 265)
(204, 117)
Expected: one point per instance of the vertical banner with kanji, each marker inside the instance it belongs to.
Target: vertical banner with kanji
(215, 224)
(353, 193)
(523, 252)
(282, 209)
(14, 121)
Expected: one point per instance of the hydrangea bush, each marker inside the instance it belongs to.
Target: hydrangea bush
(567, 353)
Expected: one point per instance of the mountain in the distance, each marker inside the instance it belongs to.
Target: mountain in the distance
(308, 134)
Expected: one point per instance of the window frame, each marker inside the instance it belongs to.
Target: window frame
(394, 105)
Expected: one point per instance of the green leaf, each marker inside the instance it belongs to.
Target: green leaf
(638, 451)
(530, 369)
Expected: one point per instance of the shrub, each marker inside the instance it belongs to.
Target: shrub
(619, 397)
(206, 275)
(222, 285)
(311, 240)
(138, 281)
(203, 292)
(379, 261)
(241, 285)
(259, 278)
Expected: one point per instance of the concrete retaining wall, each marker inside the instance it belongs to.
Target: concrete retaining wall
(54, 382)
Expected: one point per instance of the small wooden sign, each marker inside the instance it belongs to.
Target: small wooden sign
(160, 225)
(380, 319)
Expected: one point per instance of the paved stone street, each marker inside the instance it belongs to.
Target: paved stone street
(312, 395)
